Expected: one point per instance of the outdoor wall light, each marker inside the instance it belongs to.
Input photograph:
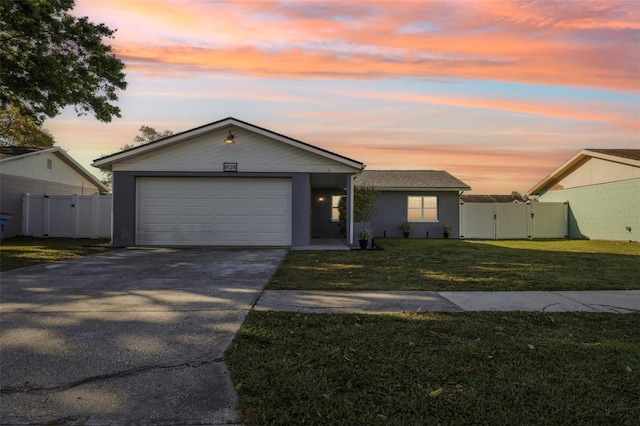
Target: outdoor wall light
(230, 139)
(320, 199)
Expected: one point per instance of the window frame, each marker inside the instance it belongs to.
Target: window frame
(423, 209)
(335, 208)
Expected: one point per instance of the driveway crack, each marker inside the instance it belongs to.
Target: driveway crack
(31, 389)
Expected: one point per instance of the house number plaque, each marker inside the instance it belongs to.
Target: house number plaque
(230, 167)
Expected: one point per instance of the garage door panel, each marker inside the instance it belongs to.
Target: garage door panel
(213, 211)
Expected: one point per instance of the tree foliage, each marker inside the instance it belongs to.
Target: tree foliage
(51, 59)
(147, 134)
(364, 200)
(16, 130)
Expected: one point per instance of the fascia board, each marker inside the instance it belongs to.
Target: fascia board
(557, 173)
(613, 158)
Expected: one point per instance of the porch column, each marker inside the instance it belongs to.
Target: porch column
(350, 203)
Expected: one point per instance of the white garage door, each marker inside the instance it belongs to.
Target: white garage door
(213, 211)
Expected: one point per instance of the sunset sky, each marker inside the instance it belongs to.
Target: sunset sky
(498, 93)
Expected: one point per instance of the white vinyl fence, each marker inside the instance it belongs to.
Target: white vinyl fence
(497, 221)
(73, 216)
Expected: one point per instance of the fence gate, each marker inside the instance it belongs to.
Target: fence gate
(514, 220)
(72, 216)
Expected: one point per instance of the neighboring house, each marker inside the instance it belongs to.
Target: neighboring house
(227, 183)
(602, 187)
(513, 198)
(427, 199)
(39, 171)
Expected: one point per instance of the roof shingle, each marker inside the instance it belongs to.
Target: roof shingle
(632, 154)
(409, 179)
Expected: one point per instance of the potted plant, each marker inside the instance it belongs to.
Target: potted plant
(363, 237)
(406, 229)
(446, 229)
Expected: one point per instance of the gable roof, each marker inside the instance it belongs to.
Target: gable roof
(12, 151)
(473, 198)
(630, 154)
(410, 180)
(107, 161)
(21, 153)
(630, 157)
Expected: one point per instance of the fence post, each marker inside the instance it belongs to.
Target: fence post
(461, 223)
(45, 215)
(530, 227)
(495, 221)
(95, 215)
(75, 216)
(25, 213)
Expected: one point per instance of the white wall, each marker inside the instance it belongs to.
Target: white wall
(35, 167)
(596, 171)
(251, 151)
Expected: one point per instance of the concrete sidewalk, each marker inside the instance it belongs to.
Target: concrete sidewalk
(376, 302)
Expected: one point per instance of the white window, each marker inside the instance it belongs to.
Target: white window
(422, 209)
(335, 211)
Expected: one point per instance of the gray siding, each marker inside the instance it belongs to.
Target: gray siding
(390, 212)
(12, 188)
(124, 202)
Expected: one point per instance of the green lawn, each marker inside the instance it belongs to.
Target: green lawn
(457, 265)
(19, 252)
(417, 369)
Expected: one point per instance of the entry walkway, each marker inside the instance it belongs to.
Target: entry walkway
(375, 302)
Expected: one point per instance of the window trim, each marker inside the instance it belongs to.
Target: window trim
(336, 208)
(422, 209)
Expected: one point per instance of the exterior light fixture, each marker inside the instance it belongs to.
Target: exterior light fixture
(230, 139)
(320, 199)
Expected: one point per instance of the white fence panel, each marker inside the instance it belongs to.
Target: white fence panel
(71, 216)
(550, 220)
(60, 217)
(477, 220)
(513, 221)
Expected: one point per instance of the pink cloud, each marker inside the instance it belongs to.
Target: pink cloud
(589, 44)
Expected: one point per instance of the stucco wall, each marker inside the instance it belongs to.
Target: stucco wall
(321, 224)
(13, 187)
(124, 202)
(602, 211)
(390, 212)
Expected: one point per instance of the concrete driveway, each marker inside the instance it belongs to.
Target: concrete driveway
(131, 336)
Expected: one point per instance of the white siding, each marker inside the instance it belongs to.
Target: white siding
(213, 211)
(252, 152)
(35, 167)
(596, 171)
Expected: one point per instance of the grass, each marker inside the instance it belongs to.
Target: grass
(19, 252)
(463, 265)
(416, 369)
